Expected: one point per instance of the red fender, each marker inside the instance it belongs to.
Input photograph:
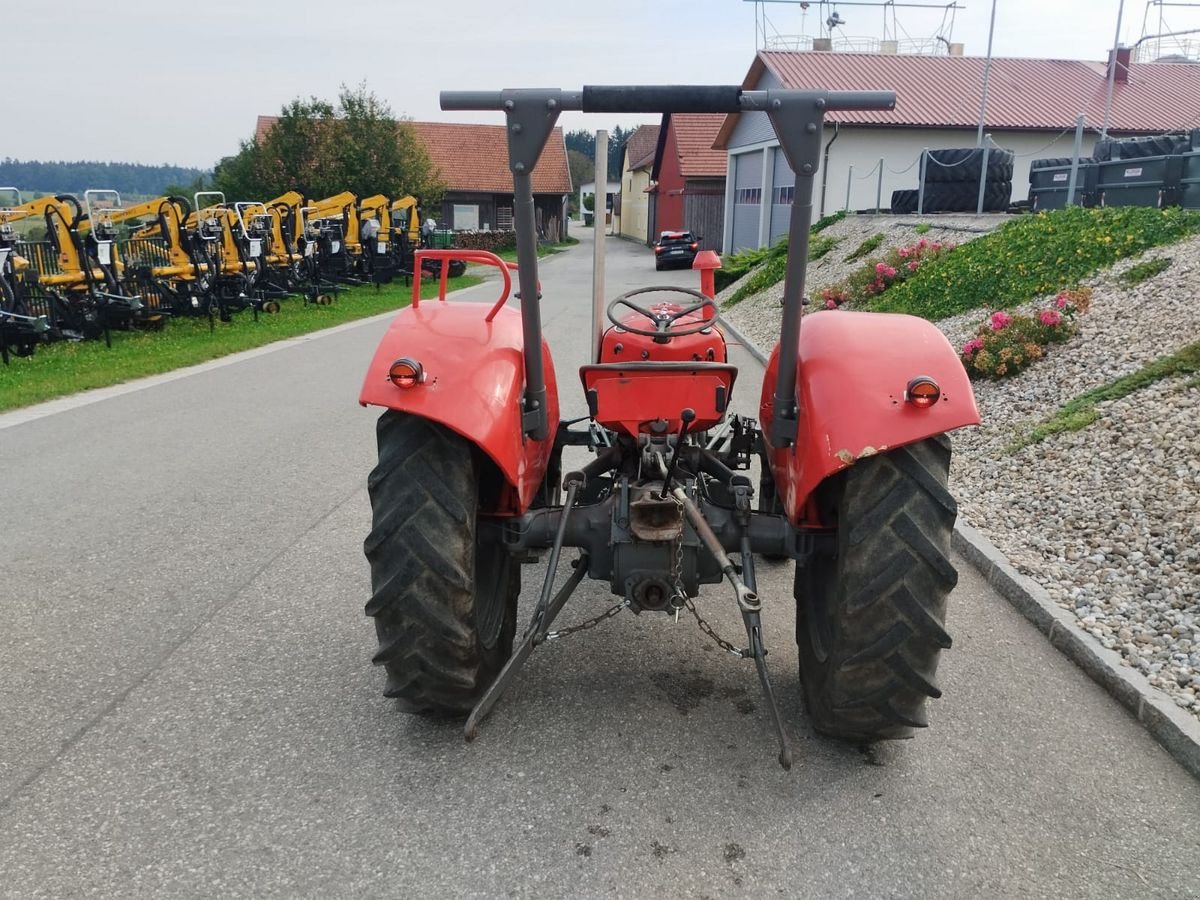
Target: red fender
(852, 371)
(474, 380)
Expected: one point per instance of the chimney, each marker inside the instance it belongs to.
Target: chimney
(956, 49)
(889, 48)
(823, 44)
(1123, 55)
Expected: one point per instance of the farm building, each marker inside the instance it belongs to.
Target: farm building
(1032, 108)
(687, 180)
(632, 218)
(473, 164)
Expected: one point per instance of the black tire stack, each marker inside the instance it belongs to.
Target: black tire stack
(952, 179)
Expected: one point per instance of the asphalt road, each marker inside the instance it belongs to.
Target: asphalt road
(187, 706)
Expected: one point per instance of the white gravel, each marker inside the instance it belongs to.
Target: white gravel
(1107, 519)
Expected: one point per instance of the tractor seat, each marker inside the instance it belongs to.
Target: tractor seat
(628, 397)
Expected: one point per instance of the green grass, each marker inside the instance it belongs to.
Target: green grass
(1144, 270)
(867, 246)
(1079, 412)
(1034, 255)
(923, 228)
(825, 221)
(776, 262)
(56, 370)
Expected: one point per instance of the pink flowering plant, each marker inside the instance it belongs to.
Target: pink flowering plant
(877, 276)
(1007, 344)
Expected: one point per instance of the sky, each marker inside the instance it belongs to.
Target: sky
(163, 81)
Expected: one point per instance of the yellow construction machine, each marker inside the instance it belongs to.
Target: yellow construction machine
(156, 262)
(67, 281)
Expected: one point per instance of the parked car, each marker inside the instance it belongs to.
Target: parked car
(675, 248)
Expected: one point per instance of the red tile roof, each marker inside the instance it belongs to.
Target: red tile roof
(639, 149)
(475, 157)
(694, 136)
(1035, 94)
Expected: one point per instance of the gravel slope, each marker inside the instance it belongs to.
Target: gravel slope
(1107, 519)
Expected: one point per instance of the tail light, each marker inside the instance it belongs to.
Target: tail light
(922, 392)
(658, 249)
(406, 373)
(694, 245)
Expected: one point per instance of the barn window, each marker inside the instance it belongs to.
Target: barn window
(504, 218)
(749, 196)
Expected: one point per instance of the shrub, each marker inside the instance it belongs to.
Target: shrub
(1007, 344)
(923, 228)
(1035, 255)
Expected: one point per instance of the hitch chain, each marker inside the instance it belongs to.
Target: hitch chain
(590, 623)
(681, 594)
(720, 641)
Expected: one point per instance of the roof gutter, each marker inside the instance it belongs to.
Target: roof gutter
(825, 164)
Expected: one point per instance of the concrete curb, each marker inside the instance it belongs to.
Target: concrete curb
(1177, 731)
(741, 339)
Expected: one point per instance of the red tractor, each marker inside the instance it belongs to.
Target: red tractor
(850, 441)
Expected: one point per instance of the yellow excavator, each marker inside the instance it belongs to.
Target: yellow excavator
(63, 279)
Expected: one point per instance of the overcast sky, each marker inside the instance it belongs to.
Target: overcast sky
(167, 81)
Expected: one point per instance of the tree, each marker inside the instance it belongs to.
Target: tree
(321, 149)
(583, 170)
(584, 142)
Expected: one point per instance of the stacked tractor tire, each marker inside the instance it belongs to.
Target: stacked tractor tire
(952, 179)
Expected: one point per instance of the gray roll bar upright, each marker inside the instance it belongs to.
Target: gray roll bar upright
(797, 117)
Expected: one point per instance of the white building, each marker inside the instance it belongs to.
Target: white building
(1032, 110)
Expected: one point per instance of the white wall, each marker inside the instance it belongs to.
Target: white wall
(614, 188)
(900, 147)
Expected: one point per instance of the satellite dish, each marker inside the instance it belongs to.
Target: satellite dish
(834, 20)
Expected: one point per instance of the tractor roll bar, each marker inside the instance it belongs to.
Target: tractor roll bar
(665, 99)
(797, 117)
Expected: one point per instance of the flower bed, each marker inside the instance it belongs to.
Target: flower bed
(1007, 344)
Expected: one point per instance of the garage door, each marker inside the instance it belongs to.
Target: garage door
(747, 199)
(782, 189)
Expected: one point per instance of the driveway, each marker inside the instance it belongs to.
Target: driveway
(188, 707)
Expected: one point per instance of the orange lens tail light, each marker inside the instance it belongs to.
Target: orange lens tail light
(922, 392)
(406, 373)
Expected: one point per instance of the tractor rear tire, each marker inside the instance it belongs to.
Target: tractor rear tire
(444, 603)
(870, 616)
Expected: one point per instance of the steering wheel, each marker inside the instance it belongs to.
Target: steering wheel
(663, 320)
